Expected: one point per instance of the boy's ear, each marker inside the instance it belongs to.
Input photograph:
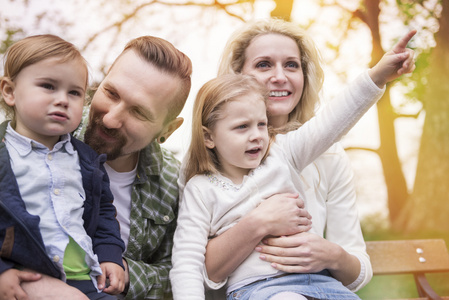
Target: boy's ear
(169, 129)
(7, 87)
(208, 140)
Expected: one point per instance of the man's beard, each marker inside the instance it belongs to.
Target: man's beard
(112, 151)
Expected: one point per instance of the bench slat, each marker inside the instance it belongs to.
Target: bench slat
(408, 256)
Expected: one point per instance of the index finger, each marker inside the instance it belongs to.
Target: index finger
(402, 44)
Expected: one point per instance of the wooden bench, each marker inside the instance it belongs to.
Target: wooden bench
(416, 257)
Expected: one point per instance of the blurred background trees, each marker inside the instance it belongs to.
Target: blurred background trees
(352, 35)
(399, 150)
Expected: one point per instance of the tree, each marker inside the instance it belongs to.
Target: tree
(394, 177)
(120, 18)
(424, 208)
(395, 181)
(427, 208)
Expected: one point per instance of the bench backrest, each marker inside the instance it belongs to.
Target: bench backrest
(408, 256)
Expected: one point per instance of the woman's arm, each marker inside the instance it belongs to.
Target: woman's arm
(333, 202)
(281, 214)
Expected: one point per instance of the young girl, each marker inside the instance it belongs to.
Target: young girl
(57, 216)
(229, 169)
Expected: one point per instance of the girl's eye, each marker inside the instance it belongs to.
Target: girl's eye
(75, 93)
(47, 86)
(262, 124)
(243, 126)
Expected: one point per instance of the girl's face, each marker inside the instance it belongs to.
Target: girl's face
(275, 61)
(240, 137)
(48, 99)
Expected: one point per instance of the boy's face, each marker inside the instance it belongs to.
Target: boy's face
(48, 99)
(240, 138)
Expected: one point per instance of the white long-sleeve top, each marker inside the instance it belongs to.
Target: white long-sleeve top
(331, 200)
(211, 204)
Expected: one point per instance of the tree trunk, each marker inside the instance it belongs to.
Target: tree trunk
(283, 9)
(394, 177)
(428, 209)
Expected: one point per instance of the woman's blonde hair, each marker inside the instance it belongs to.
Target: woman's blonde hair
(207, 110)
(234, 56)
(32, 50)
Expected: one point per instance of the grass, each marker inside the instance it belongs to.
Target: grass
(401, 286)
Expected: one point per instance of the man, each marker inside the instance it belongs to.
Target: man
(134, 110)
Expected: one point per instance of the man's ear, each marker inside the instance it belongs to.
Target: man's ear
(169, 129)
(208, 140)
(7, 87)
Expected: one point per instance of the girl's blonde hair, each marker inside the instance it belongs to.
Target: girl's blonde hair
(207, 110)
(34, 49)
(234, 56)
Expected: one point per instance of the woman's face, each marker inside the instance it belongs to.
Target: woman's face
(275, 61)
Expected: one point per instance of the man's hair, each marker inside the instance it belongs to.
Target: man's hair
(32, 50)
(164, 56)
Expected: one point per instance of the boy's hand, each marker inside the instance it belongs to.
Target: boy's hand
(10, 281)
(399, 60)
(116, 276)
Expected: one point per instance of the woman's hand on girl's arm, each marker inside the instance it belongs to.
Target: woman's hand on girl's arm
(281, 214)
(310, 253)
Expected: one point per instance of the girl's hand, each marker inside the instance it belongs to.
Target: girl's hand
(399, 60)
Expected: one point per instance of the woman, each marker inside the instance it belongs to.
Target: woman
(266, 50)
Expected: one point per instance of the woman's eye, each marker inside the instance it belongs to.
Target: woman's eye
(292, 64)
(262, 64)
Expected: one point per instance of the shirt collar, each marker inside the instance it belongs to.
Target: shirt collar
(150, 162)
(25, 145)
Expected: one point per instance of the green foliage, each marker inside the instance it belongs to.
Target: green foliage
(412, 8)
(419, 78)
(10, 39)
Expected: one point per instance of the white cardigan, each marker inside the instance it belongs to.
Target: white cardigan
(212, 204)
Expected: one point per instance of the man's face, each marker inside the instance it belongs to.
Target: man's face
(129, 108)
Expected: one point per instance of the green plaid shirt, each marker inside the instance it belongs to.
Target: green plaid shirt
(152, 222)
